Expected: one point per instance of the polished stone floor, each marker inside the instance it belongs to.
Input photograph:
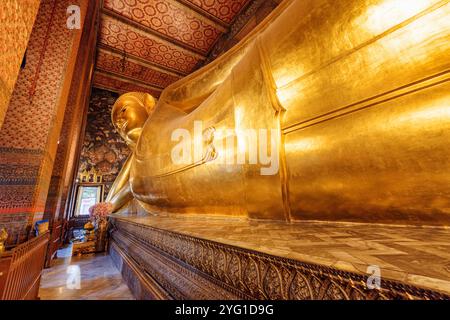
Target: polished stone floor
(416, 255)
(99, 279)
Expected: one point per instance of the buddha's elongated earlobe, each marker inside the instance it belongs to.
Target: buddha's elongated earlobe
(150, 103)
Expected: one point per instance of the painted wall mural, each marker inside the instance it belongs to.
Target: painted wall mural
(103, 148)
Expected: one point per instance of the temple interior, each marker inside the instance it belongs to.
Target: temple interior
(225, 150)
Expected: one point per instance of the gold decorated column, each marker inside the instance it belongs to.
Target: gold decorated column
(16, 22)
(30, 133)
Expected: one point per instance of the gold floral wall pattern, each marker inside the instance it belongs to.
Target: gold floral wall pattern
(16, 22)
(103, 148)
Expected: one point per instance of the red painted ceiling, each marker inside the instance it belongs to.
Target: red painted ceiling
(146, 45)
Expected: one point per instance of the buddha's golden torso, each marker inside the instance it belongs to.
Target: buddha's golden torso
(356, 106)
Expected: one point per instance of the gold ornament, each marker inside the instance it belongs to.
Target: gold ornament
(3, 238)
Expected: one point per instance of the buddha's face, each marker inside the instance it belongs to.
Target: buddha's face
(129, 116)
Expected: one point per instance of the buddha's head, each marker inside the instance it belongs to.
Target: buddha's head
(129, 114)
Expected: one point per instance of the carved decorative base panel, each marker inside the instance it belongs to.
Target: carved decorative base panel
(161, 264)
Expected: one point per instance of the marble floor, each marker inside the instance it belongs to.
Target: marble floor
(410, 254)
(89, 277)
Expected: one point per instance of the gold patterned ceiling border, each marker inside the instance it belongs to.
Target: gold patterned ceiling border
(120, 91)
(120, 77)
(126, 78)
(205, 14)
(120, 64)
(206, 18)
(160, 36)
(142, 61)
(139, 61)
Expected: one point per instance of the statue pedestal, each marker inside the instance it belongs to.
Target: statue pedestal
(86, 247)
(212, 258)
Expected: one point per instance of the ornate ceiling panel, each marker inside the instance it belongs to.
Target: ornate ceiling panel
(169, 18)
(115, 63)
(106, 81)
(224, 10)
(146, 45)
(138, 43)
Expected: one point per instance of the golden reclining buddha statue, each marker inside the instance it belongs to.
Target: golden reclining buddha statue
(328, 110)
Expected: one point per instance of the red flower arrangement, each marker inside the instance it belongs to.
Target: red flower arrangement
(100, 211)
